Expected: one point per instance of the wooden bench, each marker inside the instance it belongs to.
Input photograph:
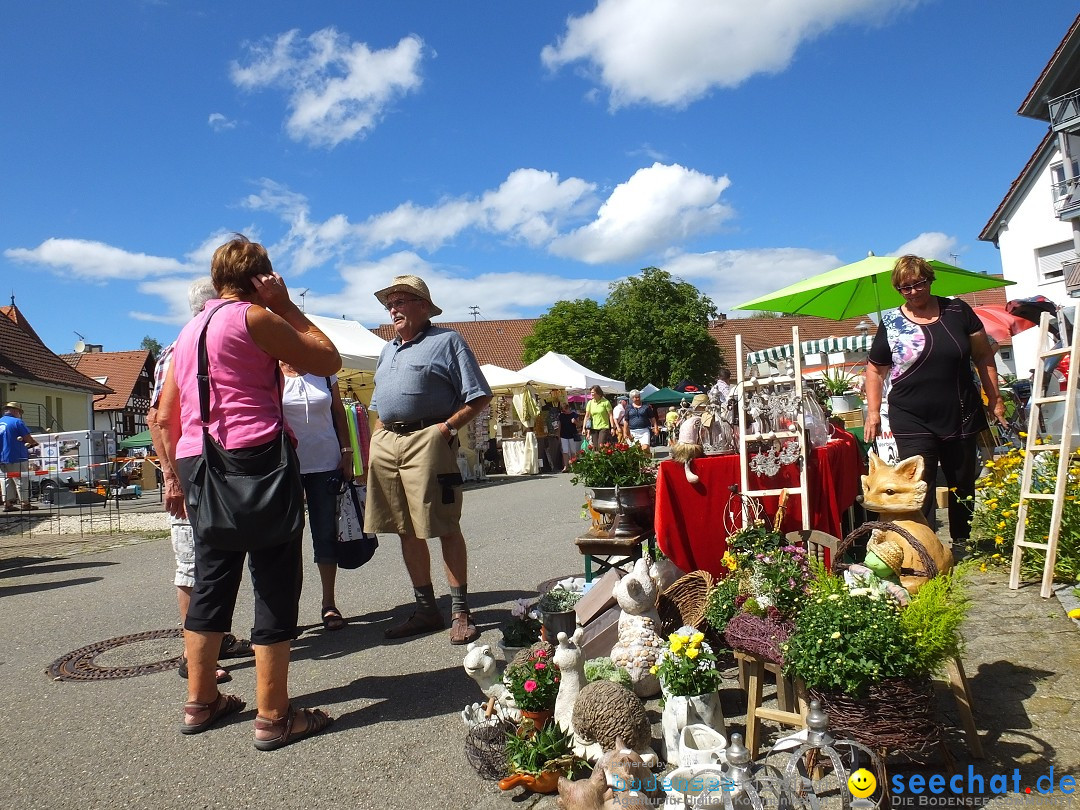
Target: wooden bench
(601, 547)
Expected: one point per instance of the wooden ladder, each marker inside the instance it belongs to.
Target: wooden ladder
(1033, 450)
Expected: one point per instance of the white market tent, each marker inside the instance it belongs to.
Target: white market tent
(647, 389)
(503, 380)
(359, 347)
(561, 370)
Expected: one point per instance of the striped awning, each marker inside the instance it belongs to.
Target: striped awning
(853, 343)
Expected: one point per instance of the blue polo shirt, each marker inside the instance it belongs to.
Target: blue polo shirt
(11, 449)
(430, 377)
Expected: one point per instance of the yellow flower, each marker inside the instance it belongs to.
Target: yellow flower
(653, 669)
(692, 652)
(835, 635)
(990, 464)
(999, 540)
(983, 568)
(697, 638)
(677, 641)
(1001, 524)
(1074, 613)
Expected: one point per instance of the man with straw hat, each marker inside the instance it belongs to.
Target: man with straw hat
(428, 386)
(15, 442)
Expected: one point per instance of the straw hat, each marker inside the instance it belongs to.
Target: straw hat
(408, 284)
(700, 401)
(13, 406)
(889, 552)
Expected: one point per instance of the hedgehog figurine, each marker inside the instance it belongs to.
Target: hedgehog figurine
(606, 712)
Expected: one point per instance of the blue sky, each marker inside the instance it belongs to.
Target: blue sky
(512, 154)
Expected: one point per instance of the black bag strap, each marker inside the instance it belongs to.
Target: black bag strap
(203, 376)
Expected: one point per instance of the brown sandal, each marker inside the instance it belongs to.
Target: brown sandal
(462, 629)
(224, 705)
(317, 720)
(417, 624)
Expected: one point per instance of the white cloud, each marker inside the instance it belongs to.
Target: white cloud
(656, 208)
(731, 277)
(174, 294)
(94, 261)
(219, 123)
(337, 89)
(932, 245)
(674, 52)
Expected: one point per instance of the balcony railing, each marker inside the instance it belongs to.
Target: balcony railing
(1071, 271)
(1065, 112)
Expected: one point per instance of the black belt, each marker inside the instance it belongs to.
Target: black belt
(405, 428)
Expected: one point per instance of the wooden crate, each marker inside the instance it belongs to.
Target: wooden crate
(851, 418)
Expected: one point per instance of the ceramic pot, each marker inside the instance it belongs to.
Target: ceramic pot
(680, 712)
(631, 508)
(564, 621)
(701, 745)
(508, 653)
(844, 403)
(547, 782)
(539, 717)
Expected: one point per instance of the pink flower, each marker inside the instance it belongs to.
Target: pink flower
(541, 665)
(530, 685)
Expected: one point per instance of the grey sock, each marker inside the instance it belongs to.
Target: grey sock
(425, 598)
(459, 598)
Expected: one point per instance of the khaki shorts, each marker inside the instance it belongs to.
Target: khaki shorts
(404, 495)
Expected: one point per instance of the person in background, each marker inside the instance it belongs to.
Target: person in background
(619, 430)
(641, 423)
(721, 389)
(920, 363)
(598, 418)
(15, 443)
(257, 326)
(428, 386)
(671, 422)
(569, 435)
(200, 291)
(316, 416)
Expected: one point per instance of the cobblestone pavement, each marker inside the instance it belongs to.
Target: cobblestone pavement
(398, 741)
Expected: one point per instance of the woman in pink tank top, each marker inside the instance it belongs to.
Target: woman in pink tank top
(257, 326)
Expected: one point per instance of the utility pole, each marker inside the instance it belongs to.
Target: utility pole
(474, 310)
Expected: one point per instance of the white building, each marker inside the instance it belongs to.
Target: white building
(1037, 224)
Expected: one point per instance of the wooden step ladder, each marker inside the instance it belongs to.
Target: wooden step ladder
(1063, 446)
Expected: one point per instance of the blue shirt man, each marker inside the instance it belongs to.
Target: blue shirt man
(15, 442)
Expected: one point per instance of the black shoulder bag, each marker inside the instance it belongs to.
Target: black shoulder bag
(242, 501)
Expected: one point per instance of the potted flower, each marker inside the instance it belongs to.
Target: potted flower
(620, 481)
(690, 680)
(869, 661)
(558, 613)
(840, 385)
(535, 759)
(523, 629)
(534, 683)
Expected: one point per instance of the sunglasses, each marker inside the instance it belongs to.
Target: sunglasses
(398, 303)
(918, 286)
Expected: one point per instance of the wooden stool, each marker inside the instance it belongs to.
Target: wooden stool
(961, 691)
(752, 669)
(602, 547)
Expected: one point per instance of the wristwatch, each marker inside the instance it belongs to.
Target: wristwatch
(451, 428)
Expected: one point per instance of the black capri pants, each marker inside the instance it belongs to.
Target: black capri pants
(959, 460)
(276, 576)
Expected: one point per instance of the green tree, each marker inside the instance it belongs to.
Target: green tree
(581, 330)
(151, 345)
(663, 329)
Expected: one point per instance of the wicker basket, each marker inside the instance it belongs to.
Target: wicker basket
(684, 602)
(759, 635)
(896, 717)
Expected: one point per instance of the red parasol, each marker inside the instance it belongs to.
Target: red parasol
(1000, 323)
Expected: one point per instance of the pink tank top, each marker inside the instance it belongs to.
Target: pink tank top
(245, 397)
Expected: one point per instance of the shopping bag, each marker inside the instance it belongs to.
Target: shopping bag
(354, 546)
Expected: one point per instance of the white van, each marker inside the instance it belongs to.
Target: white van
(70, 460)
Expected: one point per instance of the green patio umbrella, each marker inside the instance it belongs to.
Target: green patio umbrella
(862, 288)
(138, 440)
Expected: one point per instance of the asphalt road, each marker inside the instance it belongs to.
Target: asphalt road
(398, 740)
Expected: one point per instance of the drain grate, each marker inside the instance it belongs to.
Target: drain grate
(79, 665)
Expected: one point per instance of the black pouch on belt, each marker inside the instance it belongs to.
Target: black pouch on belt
(448, 482)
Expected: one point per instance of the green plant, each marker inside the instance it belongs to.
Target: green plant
(688, 666)
(837, 380)
(997, 500)
(757, 538)
(933, 617)
(621, 465)
(534, 751)
(534, 682)
(721, 606)
(559, 600)
(523, 629)
(604, 669)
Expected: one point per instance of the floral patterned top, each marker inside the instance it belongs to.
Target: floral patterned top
(930, 386)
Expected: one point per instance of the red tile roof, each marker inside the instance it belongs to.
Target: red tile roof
(498, 342)
(25, 357)
(122, 371)
(1057, 78)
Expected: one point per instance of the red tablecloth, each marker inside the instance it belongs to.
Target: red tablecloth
(690, 517)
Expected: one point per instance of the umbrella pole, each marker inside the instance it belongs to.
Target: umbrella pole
(877, 297)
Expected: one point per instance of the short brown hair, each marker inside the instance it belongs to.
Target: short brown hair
(911, 268)
(596, 389)
(236, 262)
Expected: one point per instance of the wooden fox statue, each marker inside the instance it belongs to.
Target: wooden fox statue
(896, 493)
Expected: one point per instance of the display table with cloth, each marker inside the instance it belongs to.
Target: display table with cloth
(690, 517)
(520, 456)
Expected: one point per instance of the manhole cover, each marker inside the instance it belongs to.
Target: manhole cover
(79, 665)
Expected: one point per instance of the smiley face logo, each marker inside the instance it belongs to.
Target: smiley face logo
(862, 783)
